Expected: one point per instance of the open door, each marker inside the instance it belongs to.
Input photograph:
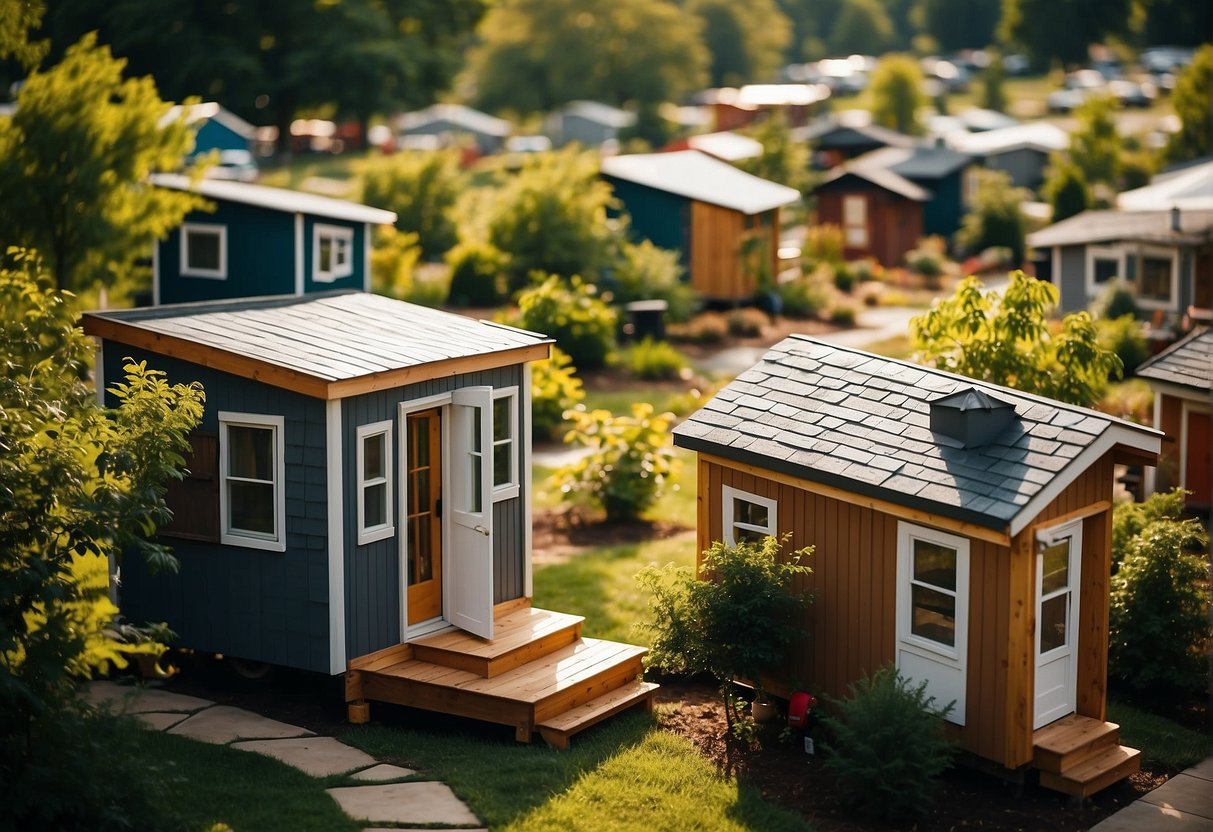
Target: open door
(423, 515)
(1057, 592)
(470, 584)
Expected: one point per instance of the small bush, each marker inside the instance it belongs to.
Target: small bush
(748, 322)
(705, 328)
(1116, 301)
(1123, 336)
(844, 279)
(477, 275)
(645, 272)
(822, 244)
(843, 314)
(555, 388)
(572, 314)
(654, 360)
(431, 287)
(630, 458)
(928, 259)
(1132, 400)
(888, 746)
(393, 261)
(803, 297)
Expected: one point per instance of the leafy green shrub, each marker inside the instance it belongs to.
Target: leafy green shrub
(996, 218)
(928, 259)
(572, 313)
(844, 279)
(735, 620)
(477, 275)
(748, 322)
(422, 188)
(630, 458)
(431, 287)
(393, 260)
(1132, 400)
(654, 360)
(803, 297)
(1117, 301)
(555, 388)
(1158, 627)
(704, 328)
(1124, 337)
(822, 244)
(887, 745)
(842, 314)
(1128, 519)
(645, 272)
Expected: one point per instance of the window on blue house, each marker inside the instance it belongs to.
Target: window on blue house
(375, 516)
(204, 251)
(252, 503)
(333, 253)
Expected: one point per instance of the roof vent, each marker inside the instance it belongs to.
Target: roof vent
(970, 417)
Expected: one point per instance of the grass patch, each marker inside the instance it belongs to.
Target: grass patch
(302, 166)
(622, 775)
(601, 585)
(1165, 744)
(620, 402)
(897, 347)
(213, 784)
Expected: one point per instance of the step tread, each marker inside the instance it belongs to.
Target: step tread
(515, 631)
(1095, 774)
(1071, 733)
(595, 710)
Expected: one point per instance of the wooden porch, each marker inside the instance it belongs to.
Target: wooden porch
(1079, 756)
(537, 674)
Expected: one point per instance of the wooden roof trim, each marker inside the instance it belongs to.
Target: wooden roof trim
(972, 530)
(308, 385)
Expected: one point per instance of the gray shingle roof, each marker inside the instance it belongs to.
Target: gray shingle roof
(879, 177)
(1113, 226)
(1188, 362)
(848, 419)
(917, 162)
(697, 176)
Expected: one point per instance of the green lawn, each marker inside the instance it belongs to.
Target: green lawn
(677, 505)
(1165, 745)
(624, 774)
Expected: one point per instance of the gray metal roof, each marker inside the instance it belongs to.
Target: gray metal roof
(860, 422)
(471, 120)
(599, 112)
(1117, 226)
(276, 199)
(1188, 362)
(829, 132)
(695, 175)
(1040, 135)
(917, 162)
(881, 178)
(332, 337)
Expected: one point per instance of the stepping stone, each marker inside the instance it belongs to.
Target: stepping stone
(1138, 816)
(381, 772)
(423, 803)
(1203, 770)
(1190, 795)
(222, 724)
(136, 700)
(317, 756)
(158, 721)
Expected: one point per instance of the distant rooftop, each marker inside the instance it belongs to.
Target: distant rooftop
(1111, 226)
(726, 145)
(1188, 362)
(1041, 136)
(1189, 188)
(276, 199)
(601, 113)
(212, 110)
(466, 117)
(697, 176)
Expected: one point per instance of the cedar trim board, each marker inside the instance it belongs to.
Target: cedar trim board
(320, 388)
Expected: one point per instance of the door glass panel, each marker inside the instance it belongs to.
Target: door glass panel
(477, 480)
(420, 453)
(1053, 615)
(933, 615)
(935, 564)
(422, 482)
(1056, 568)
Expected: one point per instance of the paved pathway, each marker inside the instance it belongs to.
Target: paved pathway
(1183, 804)
(374, 795)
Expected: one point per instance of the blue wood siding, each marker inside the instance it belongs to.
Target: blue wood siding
(942, 213)
(214, 136)
(260, 256)
(659, 217)
(358, 255)
(373, 571)
(250, 603)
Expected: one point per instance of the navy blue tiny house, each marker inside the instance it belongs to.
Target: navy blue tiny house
(215, 127)
(360, 476)
(262, 241)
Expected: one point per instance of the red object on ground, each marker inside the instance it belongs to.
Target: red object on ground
(798, 708)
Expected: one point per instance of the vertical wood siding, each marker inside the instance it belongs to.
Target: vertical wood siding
(716, 266)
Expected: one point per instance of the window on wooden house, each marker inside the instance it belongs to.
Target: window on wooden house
(252, 503)
(194, 499)
(855, 221)
(374, 461)
(204, 251)
(748, 517)
(1157, 279)
(505, 443)
(333, 253)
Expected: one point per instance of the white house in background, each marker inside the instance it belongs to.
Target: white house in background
(1189, 187)
(1021, 150)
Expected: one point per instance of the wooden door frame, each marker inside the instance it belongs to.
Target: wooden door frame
(441, 402)
(1074, 530)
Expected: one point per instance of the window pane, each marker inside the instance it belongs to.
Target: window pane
(1056, 567)
(326, 254)
(251, 507)
(1155, 278)
(854, 211)
(501, 418)
(502, 475)
(753, 514)
(250, 452)
(933, 615)
(374, 505)
(856, 236)
(373, 453)
(341, 252)
(1053, 615)
(743, 535)
(1106, 269)
(935, 564)
(202, 250)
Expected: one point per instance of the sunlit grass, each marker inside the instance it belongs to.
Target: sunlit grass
(676, 505)
(1165, 744)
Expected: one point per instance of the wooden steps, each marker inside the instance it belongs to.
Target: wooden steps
(1080, 756)
(537, 671)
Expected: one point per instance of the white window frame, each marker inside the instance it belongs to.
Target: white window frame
(507, 490)
(209, 229)
(1160, 254)
(1094, 253)
(862, 239)
(728, 494)
(338, 234)
(241, 537)
(370, 534)
(943, 668)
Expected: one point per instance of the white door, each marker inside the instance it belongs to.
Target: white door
(1057, 591)
(469, 587)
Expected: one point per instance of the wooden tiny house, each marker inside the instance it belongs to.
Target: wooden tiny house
(360, 487)
(960, 530)
(723, 222)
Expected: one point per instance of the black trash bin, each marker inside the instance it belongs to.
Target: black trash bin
(646, 319)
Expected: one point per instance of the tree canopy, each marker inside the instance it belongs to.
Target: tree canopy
(897, 94)
(1193, 92)
(1007, 339)
(746, 41)
(538, 54)
(996, 218)
(74, 164)
(1061, 30)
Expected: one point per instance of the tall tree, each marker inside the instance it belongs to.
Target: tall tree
(74, 164)
(1094, 143)
(863, 27)
(1061, 30)
(996, 218)
(422, 188)
(1066, 189)
(747, 42)
(538, 54)
(960, 24)
(17, 19)
(1193, 102)
(897, 94)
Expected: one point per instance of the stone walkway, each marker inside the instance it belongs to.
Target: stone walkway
(1183, 804)
(378, 793)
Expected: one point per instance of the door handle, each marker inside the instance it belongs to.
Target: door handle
(482, 530)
